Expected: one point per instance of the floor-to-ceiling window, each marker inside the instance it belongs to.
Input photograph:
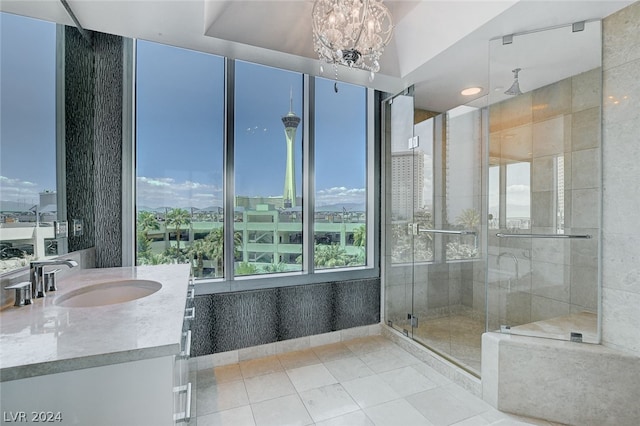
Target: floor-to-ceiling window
(179, 161)
(340, 143)
(268, 169)
(276, 164)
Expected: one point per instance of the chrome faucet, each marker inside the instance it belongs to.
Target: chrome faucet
(515, 261)
(37, 274)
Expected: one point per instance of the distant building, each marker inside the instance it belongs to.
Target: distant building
(407, 183)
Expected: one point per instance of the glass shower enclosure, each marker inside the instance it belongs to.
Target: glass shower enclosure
(434, 228)
(493, 209)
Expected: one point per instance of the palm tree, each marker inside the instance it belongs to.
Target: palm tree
(215, 247)
(468, 218)
(246, 268)
(199, 249)
(176, 218)
(360, 236)
(275, 267)
(147, 222)
(330, 256)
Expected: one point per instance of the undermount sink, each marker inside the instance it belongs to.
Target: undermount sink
(108, 293)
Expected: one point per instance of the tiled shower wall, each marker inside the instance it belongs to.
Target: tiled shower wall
(230, 321)
(553, 128)
(93, 142)
(621, 175)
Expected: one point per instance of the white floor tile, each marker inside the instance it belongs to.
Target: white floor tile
(256, 367)
(431, 374)
(310, 377)
(268, 386)
(241, 416)
(332, 352)
(441, 407)
(290, 360)
(371, 390)
(395, 413)
(473, 421)
(407, 381)
(388, 359)
(356, 418)
(224, 396)
(328, 401)
(284, 411)
(223, 374)
(346, 369)
(367, 344)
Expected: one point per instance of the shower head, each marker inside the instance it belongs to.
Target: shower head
(514, 90)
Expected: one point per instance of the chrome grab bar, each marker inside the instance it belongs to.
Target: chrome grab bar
(572, 236)
(445, 231)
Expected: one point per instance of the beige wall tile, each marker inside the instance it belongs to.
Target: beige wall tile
(620, 37)
(621, 262)
(585, 169)
(585, 129)
(552, 100)
(584, 208)
(586, 90)
(584, 286)
(511, 113)
(621, 319)
(621, 90)
(549, 137)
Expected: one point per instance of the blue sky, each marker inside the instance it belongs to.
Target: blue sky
(180, 111)
(180, 105)
(27, 108)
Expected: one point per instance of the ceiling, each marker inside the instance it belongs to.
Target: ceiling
(440, 46)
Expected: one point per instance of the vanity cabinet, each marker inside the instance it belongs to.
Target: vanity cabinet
(131, 393)
(117, 364)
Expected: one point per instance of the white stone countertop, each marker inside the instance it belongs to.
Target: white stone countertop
(45, 338)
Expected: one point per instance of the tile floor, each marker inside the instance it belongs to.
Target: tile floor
(364, 381)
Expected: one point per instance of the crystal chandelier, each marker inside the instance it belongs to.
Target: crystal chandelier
(353, 33)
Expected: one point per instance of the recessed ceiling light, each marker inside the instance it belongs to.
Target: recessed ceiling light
(471, 91)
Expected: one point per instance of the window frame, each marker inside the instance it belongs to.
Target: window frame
(308, 275)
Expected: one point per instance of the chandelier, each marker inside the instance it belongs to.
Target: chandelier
(353, 33)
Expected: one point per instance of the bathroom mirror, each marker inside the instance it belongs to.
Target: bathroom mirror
(29, 207)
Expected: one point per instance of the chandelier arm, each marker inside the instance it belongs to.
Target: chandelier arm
(362, 22)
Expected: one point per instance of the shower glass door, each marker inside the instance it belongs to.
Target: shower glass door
(545, 183)
(434, 280)
(399, 191)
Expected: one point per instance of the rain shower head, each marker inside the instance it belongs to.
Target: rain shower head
(514, 90)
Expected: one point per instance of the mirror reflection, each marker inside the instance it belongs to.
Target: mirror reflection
(28, 204)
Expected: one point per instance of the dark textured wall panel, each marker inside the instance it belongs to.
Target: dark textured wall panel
(79, 113)
(356, 303)
(244, 319)
(203, 326)
(93, 142)
(108, 148)
(229, 321)
(304, 310)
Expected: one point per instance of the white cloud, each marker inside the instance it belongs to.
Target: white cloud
(19, 190)
(340, 194)
(167, 192)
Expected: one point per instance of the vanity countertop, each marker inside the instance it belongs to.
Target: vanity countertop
(45, 338)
